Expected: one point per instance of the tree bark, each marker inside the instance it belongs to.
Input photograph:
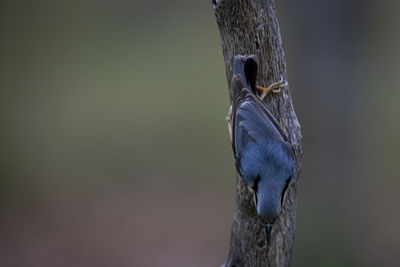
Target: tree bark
(251, 27)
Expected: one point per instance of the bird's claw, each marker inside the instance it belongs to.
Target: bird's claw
(274, 88)
(229, 120)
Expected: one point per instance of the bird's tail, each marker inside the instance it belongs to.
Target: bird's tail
(246, 66)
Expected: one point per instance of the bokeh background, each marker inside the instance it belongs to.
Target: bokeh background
(114, 148)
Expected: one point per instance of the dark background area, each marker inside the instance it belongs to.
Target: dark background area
(114, 149)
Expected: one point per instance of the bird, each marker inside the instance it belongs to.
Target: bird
(264, 158)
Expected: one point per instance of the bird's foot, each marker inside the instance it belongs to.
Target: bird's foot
(274, 88)
(229, 120)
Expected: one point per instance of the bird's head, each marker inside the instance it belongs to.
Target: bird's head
(268, 180)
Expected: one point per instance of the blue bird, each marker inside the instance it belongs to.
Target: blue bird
(263, 156)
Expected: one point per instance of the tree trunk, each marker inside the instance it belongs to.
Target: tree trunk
(251, 27)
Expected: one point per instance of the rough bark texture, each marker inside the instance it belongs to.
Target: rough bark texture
(251, 27)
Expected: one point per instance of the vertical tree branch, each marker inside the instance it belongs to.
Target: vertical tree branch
(251, 27)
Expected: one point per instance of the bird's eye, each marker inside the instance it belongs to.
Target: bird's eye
(255, 185)
(253, 189)
(284, 191)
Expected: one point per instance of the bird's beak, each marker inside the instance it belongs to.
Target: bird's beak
(268, 229)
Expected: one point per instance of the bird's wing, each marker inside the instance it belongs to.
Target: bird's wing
(253, 122)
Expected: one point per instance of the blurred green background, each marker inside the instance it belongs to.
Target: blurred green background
(114, 148)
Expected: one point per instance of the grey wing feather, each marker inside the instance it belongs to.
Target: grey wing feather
(254, 122)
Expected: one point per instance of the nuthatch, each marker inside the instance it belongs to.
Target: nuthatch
(264, 158)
